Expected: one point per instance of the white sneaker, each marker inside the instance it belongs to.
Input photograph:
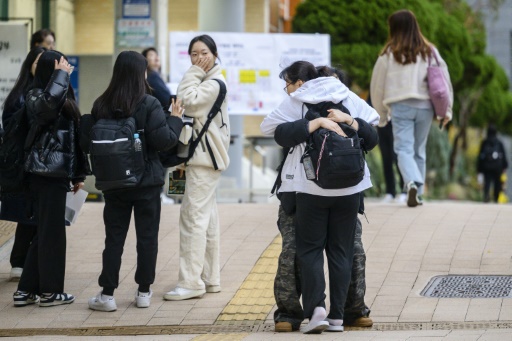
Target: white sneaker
(388, 198)
(16, 273)
(179, 294)
(401, 198)
(102, 303)
(334, 325)
(315, 327)
(213, 289)
(165, 199)
(143, 299)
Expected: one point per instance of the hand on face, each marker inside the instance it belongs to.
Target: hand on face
(204, 63)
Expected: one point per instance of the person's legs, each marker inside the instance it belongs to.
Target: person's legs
(311, 234)
(211, 268)
(388, 157)
(195, 218)
(340, 250)
(116, 215)
(51, 207)
(22, 240)
(355, 306)
(488, 177)
(403, 134)
(146, 211)
(498, 185)
(287, 283)
(422, 126)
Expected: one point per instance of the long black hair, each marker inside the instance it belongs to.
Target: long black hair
(300, 70)
(24, 82)
(44, 71)
(127, 87)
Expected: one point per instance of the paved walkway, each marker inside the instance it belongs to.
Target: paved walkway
(405, 249)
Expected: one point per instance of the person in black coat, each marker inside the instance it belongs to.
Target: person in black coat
(155, 81)
(492, 163)
(50, 104)
(14, 205)
(127, 96)
(287, 288)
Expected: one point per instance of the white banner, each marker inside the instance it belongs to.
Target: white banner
(251, 63)
(13, 50)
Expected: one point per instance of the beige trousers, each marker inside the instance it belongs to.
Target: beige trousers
(199, 230)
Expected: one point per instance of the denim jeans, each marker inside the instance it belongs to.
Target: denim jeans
(410, 132)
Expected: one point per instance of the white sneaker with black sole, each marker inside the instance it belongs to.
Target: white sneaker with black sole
(102, 303)
(23, 298)
(53, 299)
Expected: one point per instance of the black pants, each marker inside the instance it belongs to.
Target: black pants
(145, 203)
(389, 158)
(325, 223)
(45, 265)
(22, 240)
(493, 178)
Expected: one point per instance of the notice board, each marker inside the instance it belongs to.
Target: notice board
(251, 63)
(13, 50)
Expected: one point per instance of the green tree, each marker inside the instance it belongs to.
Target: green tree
(358, 30)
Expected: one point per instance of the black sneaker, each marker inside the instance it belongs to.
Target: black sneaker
(48, 300)
(22, 298)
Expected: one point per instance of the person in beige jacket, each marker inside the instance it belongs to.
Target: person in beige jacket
(199, 222)
(399, 91)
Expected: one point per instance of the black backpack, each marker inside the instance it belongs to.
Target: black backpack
(115, 162)
(170, 158)
(12, 154)
(330, 160)
(492, 157)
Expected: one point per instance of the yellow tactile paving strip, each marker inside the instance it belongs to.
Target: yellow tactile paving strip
(255, 298)
(7, 230)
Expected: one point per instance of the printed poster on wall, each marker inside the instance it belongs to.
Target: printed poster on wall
(13, 50)
(251, 63)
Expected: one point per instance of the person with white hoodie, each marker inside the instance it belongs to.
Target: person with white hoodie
(199, 220)
(326, 218)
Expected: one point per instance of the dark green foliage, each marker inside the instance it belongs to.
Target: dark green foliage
(358, 30)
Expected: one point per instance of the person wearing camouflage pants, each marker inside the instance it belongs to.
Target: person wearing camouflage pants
(287, 290)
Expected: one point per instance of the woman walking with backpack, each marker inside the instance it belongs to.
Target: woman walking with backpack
(326, 218)
(125, 97)
(51, 110)
(399, 91)
(199, 221)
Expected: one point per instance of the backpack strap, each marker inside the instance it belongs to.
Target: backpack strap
(216, 108)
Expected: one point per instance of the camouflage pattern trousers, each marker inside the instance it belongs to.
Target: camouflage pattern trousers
(287, 289)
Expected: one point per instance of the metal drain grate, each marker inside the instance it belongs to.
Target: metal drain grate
(469, 286)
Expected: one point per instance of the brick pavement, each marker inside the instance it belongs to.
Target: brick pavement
(405, 248)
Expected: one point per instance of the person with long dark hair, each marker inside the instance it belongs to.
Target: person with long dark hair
(49, 105)
(399, 91)
(14, 205)
(199, 220)
(326, 218)
(126, 96)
